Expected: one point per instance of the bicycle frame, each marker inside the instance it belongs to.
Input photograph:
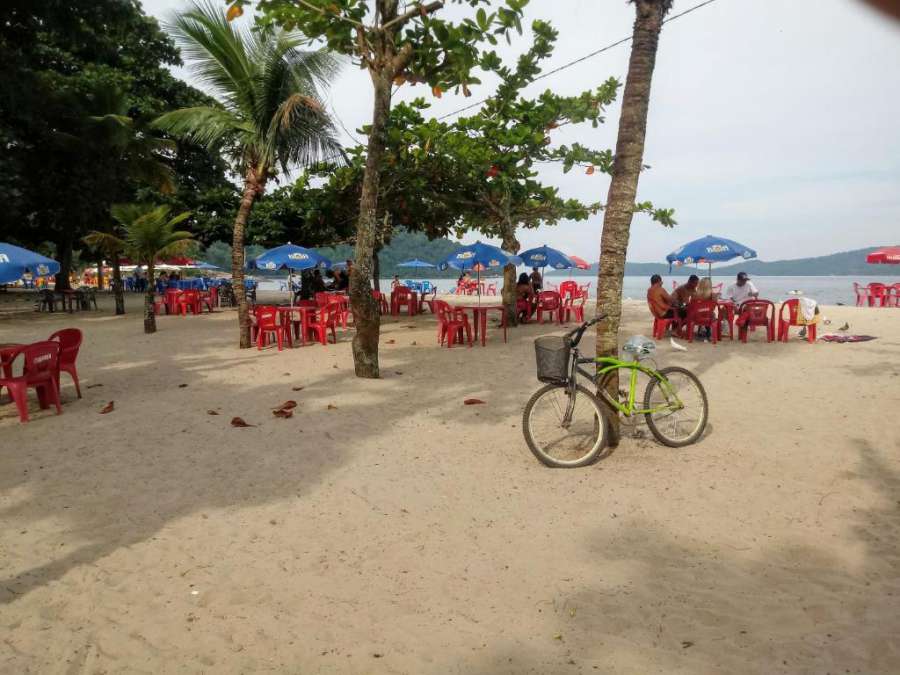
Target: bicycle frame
(607, 364)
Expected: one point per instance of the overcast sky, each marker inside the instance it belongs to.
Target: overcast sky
(773, 123)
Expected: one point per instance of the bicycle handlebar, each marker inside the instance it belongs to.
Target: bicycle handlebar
(575, 336)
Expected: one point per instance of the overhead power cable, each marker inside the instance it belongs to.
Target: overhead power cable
(583, 58)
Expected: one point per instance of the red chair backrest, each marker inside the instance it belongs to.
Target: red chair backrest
(69, 343)
(877, 289)
(443, 311)
(322, 298)
(266, 317)
(793, 308)
(701, 311)
(757, 311)
(400, 292)
(41, 357)
(568, 287)
(549, 299)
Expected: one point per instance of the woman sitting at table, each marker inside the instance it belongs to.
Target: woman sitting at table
(704, 293)
(526, 298)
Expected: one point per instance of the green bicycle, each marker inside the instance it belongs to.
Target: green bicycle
(567, 426)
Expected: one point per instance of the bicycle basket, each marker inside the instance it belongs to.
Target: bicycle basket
(552, 354)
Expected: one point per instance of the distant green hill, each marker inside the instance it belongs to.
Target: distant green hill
(846, 263)
(404, 246)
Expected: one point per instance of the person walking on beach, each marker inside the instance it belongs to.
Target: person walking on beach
(742, 290)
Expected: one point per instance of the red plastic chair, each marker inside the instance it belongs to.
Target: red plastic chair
(878, 295)
(382, 302)
(326, 319)
(784, 324)
(69, 343)
(158, 304)
(548, 301)
(660, 325)
(568, 289)
(171, 300)
(862, 294)
(341, 303)
(725, 312)
(39, 372)
(267, 325)
(574, 305)
(756, 313)
(402, 296)
(893, 296)
(452, 324)
(702, 313)
(428, 300)
(189, 300)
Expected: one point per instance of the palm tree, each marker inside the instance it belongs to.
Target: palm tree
(149, 235)
(629, 159)
(270, 113)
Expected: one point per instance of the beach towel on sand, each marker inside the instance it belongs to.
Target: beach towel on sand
(832, 337)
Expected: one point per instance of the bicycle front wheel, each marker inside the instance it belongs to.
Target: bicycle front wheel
(680, 406)
(561, 440)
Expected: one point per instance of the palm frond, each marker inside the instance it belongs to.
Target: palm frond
(204, 125)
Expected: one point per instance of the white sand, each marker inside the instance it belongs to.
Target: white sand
(403, 532)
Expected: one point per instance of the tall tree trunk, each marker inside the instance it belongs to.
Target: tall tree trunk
(376, 270)
(100, 275)
(253, 185)
(64, 258)
(149, 313)
(118, 288)
(623, 187)
(511, 245)
(365, 309)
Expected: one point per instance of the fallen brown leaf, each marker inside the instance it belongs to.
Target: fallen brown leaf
(296, 388)
(398, 372)
(390, 342)
(283, 413)
(413, 343)
(212, 412)
(238, 422)
(332, 407)
(182, 386)
(287, 405)
(473, 401)
(92, 386)
(108, 408)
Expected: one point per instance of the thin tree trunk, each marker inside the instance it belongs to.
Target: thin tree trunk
(100, 275)
(253, 185)
(623, 188)
(118, 288)
(64, 255)
(365, 309)
(511, 245)
(149, 313)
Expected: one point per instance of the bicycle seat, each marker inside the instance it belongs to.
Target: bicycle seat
(639, 345)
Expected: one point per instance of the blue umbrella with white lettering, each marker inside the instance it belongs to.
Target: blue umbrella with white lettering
(15, 262)
(709, 249)
(289, 257)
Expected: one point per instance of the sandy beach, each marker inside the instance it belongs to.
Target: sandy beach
(388, 528)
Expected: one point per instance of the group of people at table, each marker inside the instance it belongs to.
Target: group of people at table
(697, 305)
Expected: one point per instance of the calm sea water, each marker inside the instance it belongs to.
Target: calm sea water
(825, 290)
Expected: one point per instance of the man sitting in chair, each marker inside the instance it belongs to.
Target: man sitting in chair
(743, 290)
(659, 300)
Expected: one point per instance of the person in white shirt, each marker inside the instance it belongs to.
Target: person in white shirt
(743, 290)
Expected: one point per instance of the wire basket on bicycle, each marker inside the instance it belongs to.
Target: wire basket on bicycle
(552, 353)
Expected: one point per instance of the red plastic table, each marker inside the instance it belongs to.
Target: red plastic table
(479, 316)
(306, 313)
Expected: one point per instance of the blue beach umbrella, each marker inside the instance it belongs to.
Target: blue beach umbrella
(709, 249)
(544, 256)
(415, 262)
(289, 257)
(16, 261)
(479, 256)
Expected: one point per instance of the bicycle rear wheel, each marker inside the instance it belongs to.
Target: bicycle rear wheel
(682, 404)
(560, 442)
